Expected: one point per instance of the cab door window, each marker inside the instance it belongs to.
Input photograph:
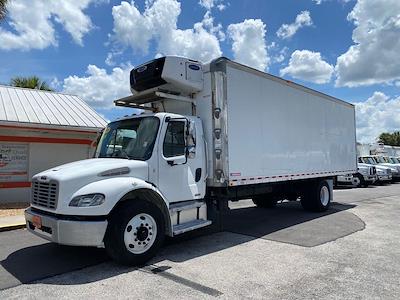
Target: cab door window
(174, 141)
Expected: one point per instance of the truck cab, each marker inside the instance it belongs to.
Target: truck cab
(158, 158)
(384, 173)
(366, 174)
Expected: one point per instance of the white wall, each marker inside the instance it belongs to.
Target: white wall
(46, 156)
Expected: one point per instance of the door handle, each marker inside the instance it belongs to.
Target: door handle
(198, 174)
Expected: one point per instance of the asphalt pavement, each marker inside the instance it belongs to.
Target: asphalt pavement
(351, 251)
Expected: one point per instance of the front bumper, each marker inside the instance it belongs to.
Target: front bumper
(384, 177)
(67, 232)
(370, 178)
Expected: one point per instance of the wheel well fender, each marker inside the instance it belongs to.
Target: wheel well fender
(151, 196)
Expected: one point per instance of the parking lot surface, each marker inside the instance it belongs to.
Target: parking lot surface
(352, 251)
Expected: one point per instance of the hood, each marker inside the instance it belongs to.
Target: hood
(97, 167)
(364, 166)
(74, 176)
(395, 167)
(390, 166)
(382, 169)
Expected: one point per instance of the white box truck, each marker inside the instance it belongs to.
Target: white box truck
(213, 132)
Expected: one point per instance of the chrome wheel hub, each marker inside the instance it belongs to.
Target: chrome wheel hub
(324, 195)
(140, 233)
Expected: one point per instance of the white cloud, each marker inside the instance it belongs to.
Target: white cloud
(288, 30)
(249, 45)
(221, 6)
(133, 29)
(318, 2)
(159, 23)
(209, 4)
(99, 88)
(33, 23)
(378, 114)
(208, 23)
(373, 58)
(309, 66)
(280, 57)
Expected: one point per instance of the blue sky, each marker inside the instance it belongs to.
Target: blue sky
(345, 48)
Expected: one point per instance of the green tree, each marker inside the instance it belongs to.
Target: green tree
(390, 139)
(3, 10)
(32, 82)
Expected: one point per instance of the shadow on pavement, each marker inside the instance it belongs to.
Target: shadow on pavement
(45, 260)
(287, 223)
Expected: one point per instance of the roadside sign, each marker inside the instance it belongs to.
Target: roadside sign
(13, 162)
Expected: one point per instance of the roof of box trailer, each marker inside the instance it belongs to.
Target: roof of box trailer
(281, 80)
(45, 109)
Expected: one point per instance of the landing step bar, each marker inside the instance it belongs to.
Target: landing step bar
(192, 225)
(181, 206)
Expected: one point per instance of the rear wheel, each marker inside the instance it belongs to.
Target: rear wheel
(317, 197)
(135, 232)
(264, 202)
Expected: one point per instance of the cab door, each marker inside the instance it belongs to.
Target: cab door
(182, 171)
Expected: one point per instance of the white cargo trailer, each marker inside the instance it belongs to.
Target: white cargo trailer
(215, 132)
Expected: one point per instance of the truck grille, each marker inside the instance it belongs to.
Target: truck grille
(45, 194)
(372, 171)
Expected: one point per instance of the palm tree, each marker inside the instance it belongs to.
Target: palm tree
(3, 9)
(32, 82)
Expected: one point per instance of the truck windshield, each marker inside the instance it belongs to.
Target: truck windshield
(369, 160)
(130, 139)
(380, 159)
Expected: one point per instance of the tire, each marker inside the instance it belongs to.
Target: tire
(263, 202)
(136, 230)
(362, 181)
(317, 197)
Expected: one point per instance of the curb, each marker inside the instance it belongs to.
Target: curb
(12, 227)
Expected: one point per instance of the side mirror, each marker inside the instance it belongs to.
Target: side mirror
(191, 140)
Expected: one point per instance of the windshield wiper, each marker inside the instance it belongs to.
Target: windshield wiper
(126, 154)
(120, 153)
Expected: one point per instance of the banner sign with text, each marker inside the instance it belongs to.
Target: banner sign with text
(13, 162)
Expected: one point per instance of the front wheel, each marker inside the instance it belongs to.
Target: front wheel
(135, 232)
(317, 197)
(361, 181)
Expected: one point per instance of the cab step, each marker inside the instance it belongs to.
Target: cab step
(191, 225)
(188, 215)
(180, 206)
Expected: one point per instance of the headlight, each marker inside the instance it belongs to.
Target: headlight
(87, 200)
